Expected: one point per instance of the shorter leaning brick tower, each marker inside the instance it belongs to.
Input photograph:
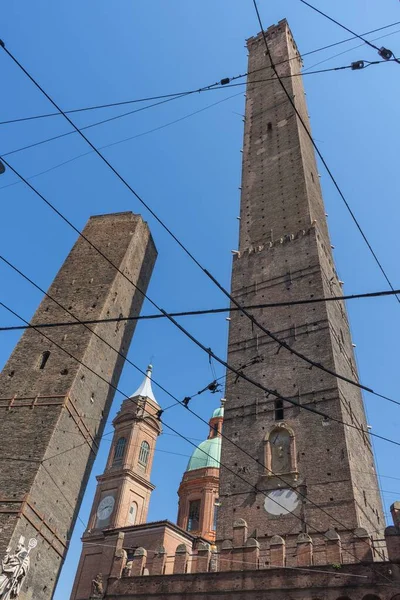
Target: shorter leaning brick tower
(52, 408)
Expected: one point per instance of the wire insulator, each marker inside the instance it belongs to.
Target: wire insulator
(358, 64)
(385, 53)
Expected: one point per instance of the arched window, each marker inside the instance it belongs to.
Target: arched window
(132, 513)
(43, 359)
(119, 450)
(144, 454)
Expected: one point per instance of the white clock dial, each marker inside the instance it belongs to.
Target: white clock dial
(105, 508)
(281, 502)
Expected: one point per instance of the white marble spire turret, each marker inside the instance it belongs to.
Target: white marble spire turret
(145, 390)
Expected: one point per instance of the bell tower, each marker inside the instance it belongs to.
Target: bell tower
(302, 474)
(123, 490)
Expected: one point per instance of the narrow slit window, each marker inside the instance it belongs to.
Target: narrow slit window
(144, 454)
(43, 359)
(279, 413)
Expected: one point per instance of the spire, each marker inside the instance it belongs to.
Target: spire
(145, 389)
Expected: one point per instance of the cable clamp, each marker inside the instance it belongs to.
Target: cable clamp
(159, 413)
(186, 401)
(2, 44)
(225, 81)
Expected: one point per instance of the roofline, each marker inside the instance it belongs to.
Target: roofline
(152, 525)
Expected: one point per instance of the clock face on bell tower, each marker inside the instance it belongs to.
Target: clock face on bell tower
(105, 508)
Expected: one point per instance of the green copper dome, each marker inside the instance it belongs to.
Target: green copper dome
(218, 412)
(207, 454)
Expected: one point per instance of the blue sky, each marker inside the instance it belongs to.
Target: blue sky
(94, 52)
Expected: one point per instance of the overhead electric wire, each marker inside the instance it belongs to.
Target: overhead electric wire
(208, 351)
(109, 119)
(172, 96)
(182, 246)
(301, 56)
(126, 139)
(150, 98)
(237, 370)
(300, 518)
(360, 37)
(321, 62)
(181, 95)
(208, 311)
(319, 152)
(105, 437)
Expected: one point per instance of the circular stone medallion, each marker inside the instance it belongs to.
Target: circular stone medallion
(281, 502)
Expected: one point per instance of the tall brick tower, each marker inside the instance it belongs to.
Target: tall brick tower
(52, 408)
(285, 254)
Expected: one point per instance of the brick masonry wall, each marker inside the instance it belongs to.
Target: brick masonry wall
(47, 450)
(285, 254)
(353, 582)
